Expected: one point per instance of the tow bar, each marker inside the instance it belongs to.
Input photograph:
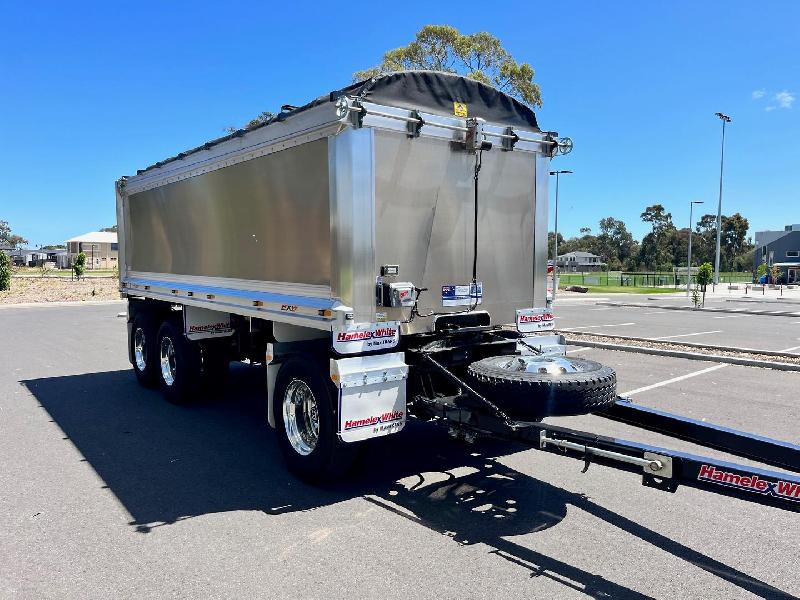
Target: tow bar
(651, 463)
(660, 468)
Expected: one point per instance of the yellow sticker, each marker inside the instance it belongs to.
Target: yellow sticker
(460, 109)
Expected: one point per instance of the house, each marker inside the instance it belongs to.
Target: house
(579, 262)
(781, 249)
(26, 257)
(100, 247)
(59, 257)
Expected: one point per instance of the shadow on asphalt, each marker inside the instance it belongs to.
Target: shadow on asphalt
(166, 463)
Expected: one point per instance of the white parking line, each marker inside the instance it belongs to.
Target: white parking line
(669, 337)
(604, 308)
(591, 326)
(675, 379)
(656, 312)
(729, 317)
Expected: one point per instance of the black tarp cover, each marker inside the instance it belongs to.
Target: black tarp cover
(435, 92)
(427, 91)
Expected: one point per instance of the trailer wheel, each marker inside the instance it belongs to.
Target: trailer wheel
(216, 358)
(306, 423)
(144, 350)
(179, 364)
(533, 387)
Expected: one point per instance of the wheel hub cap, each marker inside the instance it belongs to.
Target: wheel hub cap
(301, 417)
(554, 365)
(167, 361)
(140, 349)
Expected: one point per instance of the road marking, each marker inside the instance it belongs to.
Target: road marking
(668, 337)
(657, 312)
(589, 326)
(604, 308)
(729, 317)
(580, 350)
(675, 379)
(790, 349)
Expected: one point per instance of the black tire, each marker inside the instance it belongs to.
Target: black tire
(216, 359)
(147, 374)
(330, 457)
(526, 396)
(185, 375)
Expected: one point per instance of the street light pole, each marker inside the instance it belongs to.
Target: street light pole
(725, 119)
(555, 241)
(689, 258)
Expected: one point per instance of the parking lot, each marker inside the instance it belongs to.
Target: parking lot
(744, 329)
(107, 490)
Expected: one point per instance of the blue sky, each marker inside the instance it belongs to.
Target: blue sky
(93, 91)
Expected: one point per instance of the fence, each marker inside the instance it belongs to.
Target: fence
(635, 279)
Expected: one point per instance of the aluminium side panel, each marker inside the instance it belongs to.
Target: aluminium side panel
(424, 211)
(262, 220)
(122, 229)
(352, 226)
(541, 221)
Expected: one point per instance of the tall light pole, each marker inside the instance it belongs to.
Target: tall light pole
(689, 258)
(555, 247)
(725, 119)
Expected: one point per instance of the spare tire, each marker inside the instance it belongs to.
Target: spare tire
(529, 388)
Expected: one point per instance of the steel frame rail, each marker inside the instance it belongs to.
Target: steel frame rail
(661, 468)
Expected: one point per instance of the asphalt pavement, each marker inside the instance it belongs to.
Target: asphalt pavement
(108, 491)
(742, 330)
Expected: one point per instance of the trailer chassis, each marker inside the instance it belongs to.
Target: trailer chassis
(469, 415)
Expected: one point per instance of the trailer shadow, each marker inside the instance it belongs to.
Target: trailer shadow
(167, 463)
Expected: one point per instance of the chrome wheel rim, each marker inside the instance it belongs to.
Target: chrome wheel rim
(167, 361)
(140, 349)
(301, 417)
(553, 365)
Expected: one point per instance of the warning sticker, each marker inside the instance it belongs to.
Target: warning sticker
(460, 110)
(462, 295)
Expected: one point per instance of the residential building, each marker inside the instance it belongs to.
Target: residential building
(781, 249)
(26, 257)
(100, 247)
(579, 262)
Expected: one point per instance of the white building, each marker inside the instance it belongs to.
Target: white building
(579, 262)
(100, 247)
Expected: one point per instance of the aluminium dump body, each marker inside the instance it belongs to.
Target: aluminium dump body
(293, 221)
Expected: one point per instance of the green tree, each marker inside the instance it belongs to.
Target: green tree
(7, 238)
(113, 229)
(478, 56)
(254, 122)
(656, 248)
(5, 272)
(705, 275)
(551, 238)
(79, 268)
(775, 274)
(614, 242)
(733, 240)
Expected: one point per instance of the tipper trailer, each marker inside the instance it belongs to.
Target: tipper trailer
(382, 251)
